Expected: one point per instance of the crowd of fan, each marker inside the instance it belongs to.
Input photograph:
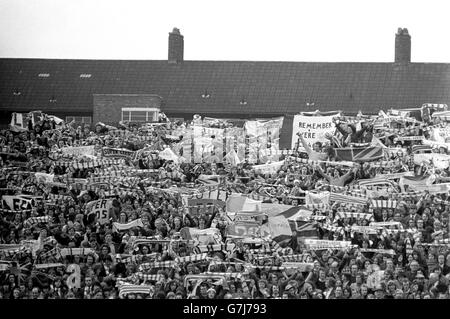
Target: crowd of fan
(414, 263)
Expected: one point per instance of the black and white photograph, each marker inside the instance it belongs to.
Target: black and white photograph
(238, 150)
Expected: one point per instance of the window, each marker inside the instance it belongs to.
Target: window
(43, 75)
(79, 119)
(85, 75)
(140, 114)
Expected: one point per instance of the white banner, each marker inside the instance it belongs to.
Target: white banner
(17, 202)
(79, 150)
(101, 209)
(440, 161)
(313, 128)
(317, 244)
(441, 134)
(433, 189)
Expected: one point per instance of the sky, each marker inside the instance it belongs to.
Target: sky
(282, 30)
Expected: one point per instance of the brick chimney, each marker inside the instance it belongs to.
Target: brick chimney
(176, 47)
(402, 46)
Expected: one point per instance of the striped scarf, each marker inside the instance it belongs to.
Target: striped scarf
(10, 211)
(317, 244)
(192, 258)
(368, 217)
(76, 252)
(148, 277)
(435, 244)
(334, 229)
(55, 253)
(123, 192)
(36, 220)
(121, 227)
(15, 253)
(126, 289)
(363, 229)
(320, 206)
(378, 251)
(84, 165)
(235, 275)
(292, 258)
(214, 247)
(312, 162)
(158, 264)
(59, 197)
(378, 203)
(50, 265)
(336, 197)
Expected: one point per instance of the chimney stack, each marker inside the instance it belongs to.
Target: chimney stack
(402, 46)
(176, 46)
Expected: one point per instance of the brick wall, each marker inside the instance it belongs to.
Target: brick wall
(108, 107)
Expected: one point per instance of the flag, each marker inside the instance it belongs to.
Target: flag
(298, 218)
(359, 154)
(416, 182)
(238, 203)
(376, 142)
(18, 122)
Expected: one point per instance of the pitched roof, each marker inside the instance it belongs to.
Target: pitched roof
(267, 87)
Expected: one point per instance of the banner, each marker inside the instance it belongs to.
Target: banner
(18, 122)
(416, 182)
(244, 229)
(440, 134)
(79, 150)
(263, 139)
(317, 244)
(202, 236)
(364, 230)
(17, 202)
(117, 152)
(312, 128)
(410, 138)
(440, 161)
(251, 216)
(101, 209)
(433, 189)
(384, 224)
(238, 202)
(302, 267)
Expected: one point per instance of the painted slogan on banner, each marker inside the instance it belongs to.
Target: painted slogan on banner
(312, 128)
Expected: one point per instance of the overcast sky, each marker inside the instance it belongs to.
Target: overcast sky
(282, 30)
